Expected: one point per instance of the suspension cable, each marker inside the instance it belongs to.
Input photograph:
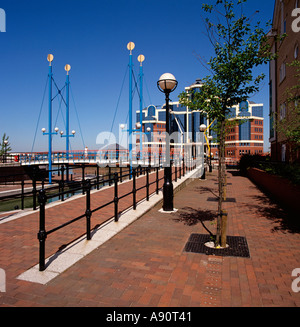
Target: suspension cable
(77, 117)
(37, 125)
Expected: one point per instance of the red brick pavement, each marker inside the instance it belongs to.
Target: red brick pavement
(145, 264)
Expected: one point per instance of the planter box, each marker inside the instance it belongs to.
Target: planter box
(281, 189)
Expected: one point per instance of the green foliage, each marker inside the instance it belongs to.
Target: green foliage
(251, 160)
(289, 171)
(239, 47)
(4, 148)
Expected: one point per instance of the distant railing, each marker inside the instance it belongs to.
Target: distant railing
(9, 158)
(101, 157)
(63, 181)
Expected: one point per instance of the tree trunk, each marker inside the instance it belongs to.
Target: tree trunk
(222, 216)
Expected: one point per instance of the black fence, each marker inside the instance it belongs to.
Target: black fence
(63, 183)
(111, 179)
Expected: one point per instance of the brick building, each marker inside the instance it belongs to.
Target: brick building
(245, 135)
(282, 77)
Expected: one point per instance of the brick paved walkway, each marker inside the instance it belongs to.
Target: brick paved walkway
(145, 264)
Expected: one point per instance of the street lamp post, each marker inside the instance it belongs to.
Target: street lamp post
(210, 165)
(130, 47)
(149, 145)
(167, 84)
(202, 129)
(50, 133)
(68, 135)
(141, 58)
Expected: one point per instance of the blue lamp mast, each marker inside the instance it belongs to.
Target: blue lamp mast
(67, 136)
(67, 114)
(130, 47)
(141, 58)
(50, 121)
(50, 133)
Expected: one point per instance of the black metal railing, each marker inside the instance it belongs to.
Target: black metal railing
(63, 182)
(116, 179)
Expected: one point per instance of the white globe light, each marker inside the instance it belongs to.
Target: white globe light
(73, 132)
(167, 81)
(202, 128)
(138, 125)
(43, 130)
(56, 129)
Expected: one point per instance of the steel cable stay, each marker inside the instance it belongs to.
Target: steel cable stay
(60, 111)
(136, 87)
(147, 91)
(118, 102)
(38, 121)
(82, 139)
(58, 91)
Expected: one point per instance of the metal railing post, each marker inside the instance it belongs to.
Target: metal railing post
(134, 188)
(88, 212)
(147, 183)
(62, 182)
(116, 199)
(109, 176)
(34, 190)
(180, 169)
(98, 178)
(157, 179)
(42, 235)
(83, 180)
(121, 178)
(22, 194)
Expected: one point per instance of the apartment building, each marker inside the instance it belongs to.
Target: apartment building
(282, 77)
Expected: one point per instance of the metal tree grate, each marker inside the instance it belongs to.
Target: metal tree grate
(238, 246)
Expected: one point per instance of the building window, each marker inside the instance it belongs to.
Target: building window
(283, 152)
(282, 111)
(282, 72)
(296, 51)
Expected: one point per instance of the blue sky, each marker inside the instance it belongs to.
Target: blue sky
(92, 36)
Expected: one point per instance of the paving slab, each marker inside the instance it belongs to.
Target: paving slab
(146, 265)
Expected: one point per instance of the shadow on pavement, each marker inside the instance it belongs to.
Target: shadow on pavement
(190, 216)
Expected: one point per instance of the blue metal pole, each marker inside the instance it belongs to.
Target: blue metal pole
(130, 111)
(67, 117)
(50, 124)
(141, 106)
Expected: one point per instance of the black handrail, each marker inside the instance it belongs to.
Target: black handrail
(87, 185)
(62, 184)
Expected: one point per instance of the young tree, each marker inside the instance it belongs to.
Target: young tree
(4, 147)
(239, 47)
